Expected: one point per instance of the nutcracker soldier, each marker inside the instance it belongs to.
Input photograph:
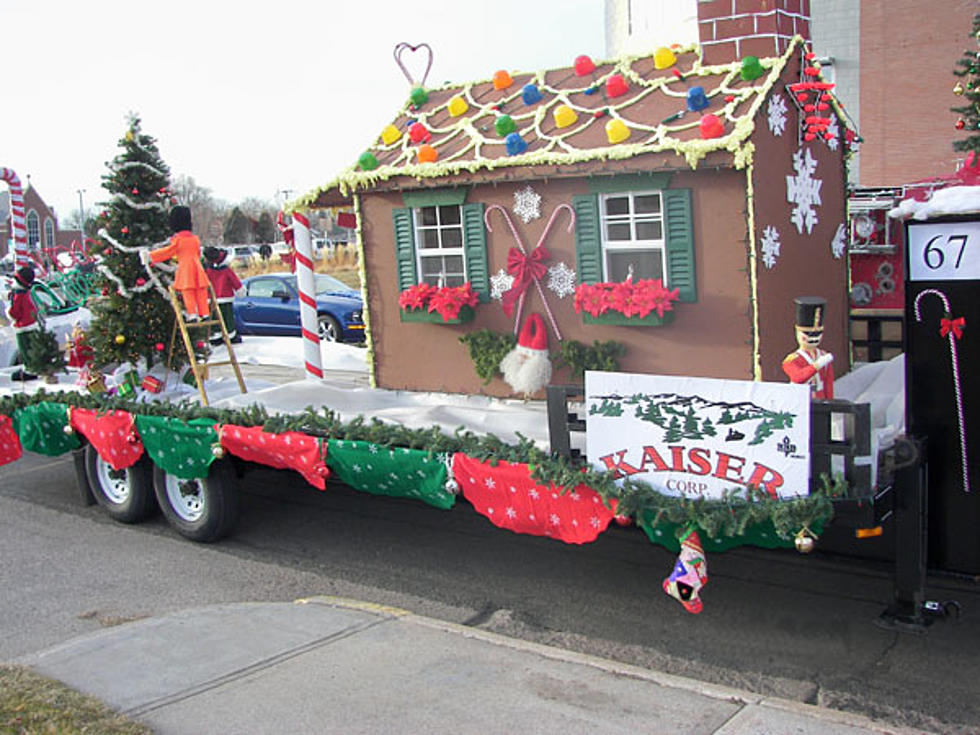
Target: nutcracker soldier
(810, 364)
(226, 286)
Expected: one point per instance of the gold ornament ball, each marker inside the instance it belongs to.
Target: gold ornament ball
(218, 451)
(804, 543)
(958, 89)
(69, 430)
(120, 339)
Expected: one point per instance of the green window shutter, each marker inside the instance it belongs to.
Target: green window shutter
(405, 248)
(475, 249)
(588, 242)
(680, 243)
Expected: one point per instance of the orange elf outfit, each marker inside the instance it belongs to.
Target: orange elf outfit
(190, 280)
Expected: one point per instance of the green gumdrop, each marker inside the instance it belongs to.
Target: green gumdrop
(419, 96)
(751, 68)
(367, 161)
(505, 125)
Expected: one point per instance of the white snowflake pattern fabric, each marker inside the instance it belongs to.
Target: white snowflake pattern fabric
(803, 190)
(839, 244)
(833, 130)
(776, 114)
(527, 204)
(770, 246)
(500, 283)
(561, 280)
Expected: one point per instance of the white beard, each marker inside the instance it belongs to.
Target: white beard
(525, 370)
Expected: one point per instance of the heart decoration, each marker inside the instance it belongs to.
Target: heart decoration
(400, 49)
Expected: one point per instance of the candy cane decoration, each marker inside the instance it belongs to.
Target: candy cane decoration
(520, 262)
(307, 295)
(953, 329)
(17, 214)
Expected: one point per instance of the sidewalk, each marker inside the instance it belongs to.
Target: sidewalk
(329, 665)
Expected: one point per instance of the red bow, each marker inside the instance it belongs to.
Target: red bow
(955, 326)
(524, 268)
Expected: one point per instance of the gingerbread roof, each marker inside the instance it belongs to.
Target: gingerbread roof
(460, 123)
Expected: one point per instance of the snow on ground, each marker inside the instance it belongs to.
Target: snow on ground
(953, 200)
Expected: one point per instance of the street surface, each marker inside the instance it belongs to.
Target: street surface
(774, 622)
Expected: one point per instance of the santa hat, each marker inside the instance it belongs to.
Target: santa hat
(526, 368)
(24, 276)
(533, 335)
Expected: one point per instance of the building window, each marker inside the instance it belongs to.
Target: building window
(439, 235)
(33, 230)
(632, 235)
(49, 233)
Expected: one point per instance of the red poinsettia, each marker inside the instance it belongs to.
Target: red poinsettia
(629, 297)
(416, 297)
(447, 301)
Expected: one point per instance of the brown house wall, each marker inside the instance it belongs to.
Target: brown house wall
(710, 338)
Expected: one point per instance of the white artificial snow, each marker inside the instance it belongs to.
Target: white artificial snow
(776, 114)
(839, 244)
(804, 191)
(952, 200)
(527, 204)
(561, 280)
(770, 246)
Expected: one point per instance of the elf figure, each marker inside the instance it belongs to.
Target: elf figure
(226, 286)
(810, 364)
(23, 316)
(190, 279)
(526, 368)
(80, 353)
(690, 573)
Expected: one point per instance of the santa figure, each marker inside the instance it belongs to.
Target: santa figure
(809, 364)
(526, 368)
(226, 286)
(23, 316)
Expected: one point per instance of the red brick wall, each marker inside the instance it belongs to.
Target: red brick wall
(732, 29)
(907, 59)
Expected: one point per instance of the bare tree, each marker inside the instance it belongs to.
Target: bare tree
(207, 213)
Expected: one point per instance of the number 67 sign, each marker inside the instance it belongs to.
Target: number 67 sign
(946, 251)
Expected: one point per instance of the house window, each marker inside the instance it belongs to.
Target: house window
(48, 233)
(33, 230)
(632, 235)
(439, 239)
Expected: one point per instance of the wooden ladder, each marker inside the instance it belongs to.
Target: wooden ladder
(214, 319)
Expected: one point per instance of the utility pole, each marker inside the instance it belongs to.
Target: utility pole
(81, 217)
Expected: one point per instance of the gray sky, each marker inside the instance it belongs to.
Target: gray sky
(247, 98)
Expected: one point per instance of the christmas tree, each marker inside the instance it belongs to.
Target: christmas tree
(133, 316)
(968, 70)
(43, 354)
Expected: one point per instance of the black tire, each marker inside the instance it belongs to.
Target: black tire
(328, 328)
(200, 510)
(126, 495)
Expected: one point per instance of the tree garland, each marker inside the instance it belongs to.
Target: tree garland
(730, 516)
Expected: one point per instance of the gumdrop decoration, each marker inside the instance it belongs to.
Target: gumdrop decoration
(502, 80)
(418, 96)
(664, 58)
(530, 94)
(457, 106)
(617, 131)
(367, 161)
(390, 134)
(751, 68)
(505, 125)
(427, 154)
(711, 126)
(616, 85)
(515, 144)
(564, 116)
(584, 66)
(418, 133)
(690, 574)
(697, 99)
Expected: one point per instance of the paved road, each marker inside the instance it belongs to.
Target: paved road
(774, 622)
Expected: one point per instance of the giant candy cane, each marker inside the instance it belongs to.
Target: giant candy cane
(307, 295)
(953, 329)
(17, 215)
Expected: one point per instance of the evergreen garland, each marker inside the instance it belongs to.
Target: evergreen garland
(487, 348)
(579, 357)
(729, 516)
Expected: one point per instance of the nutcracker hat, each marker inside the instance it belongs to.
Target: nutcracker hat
(24, 276)
(533, 335)
(180, 218)
(214, 255)
(810, 312)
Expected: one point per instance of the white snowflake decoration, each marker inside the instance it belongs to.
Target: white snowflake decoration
(776, 112)
(804, 191)
(527, 204)
(834, 130)
(839, 244)
(500, 284)
(770, 246)
(561, 280)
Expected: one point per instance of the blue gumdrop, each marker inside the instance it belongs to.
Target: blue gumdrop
(530, 94)
(515, 144)
(696, 99)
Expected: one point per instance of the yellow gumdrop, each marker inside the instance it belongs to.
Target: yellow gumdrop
(457, 106)
(663, 58)
(617, 131)
(390, 134)
(565, 116)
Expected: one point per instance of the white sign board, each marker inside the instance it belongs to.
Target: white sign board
(699, 436)
(944, 251)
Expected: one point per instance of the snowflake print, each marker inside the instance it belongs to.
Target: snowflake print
(561, 280)
(534, 493)
(776, 113)
(770, 246)
(527, 204)
(803, 191)
(554, 519)
(511, 513)
(839, 244)
(490, 483)
(500, 284)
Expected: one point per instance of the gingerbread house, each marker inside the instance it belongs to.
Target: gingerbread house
(673, 205)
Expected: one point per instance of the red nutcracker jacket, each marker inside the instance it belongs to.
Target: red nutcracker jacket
(801, 368)
(224, 280)
(22, 312)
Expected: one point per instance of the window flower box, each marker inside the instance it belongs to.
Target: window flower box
(643, 303)
(438, 304)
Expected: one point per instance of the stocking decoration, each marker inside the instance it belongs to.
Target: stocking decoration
(690, 573)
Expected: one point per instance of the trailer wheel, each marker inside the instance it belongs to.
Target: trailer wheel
(200, 510)
(126, 495)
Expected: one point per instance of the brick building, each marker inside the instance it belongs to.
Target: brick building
(43, 232)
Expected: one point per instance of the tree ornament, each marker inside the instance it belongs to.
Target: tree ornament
(124, 230)
(217, 450)
(135, 190)
(68, 429)
(140, 281)
(804, 541)
(120, 339)
(960, 124)
(159, 347)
